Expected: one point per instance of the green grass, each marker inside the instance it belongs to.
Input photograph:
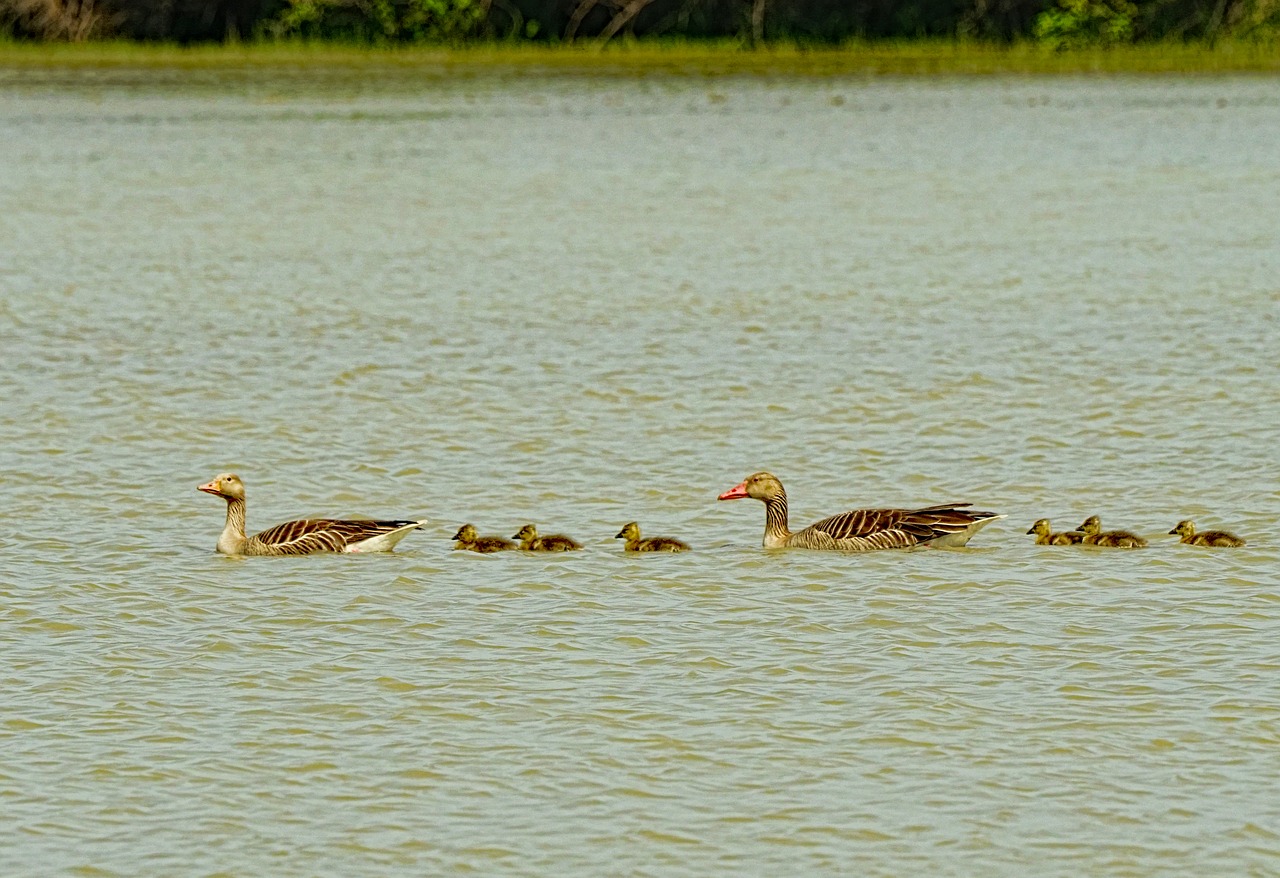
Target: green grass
(918, 58)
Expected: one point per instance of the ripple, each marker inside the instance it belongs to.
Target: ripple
(613, 316)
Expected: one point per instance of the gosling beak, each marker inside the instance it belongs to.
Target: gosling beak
(619, 535)
(1031, 531)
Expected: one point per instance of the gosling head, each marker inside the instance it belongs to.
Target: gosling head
(630, 531)
(1040, 528)
(528, 532)
(1092, 525)
(466, 534)
(1185, 528)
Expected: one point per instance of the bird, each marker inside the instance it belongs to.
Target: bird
(468, 541)
(302, 537)
(1187, 530)
(1094, 535)
(1045, 537)
(861, 530)
(531, 542)
(631, 533)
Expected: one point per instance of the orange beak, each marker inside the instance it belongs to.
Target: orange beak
(213, 487)
(735, 493)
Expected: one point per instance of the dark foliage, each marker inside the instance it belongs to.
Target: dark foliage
(802, 21)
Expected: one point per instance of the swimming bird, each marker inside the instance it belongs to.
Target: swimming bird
(468, 541)
(631, 533)
(1114, 539)
(531, 542)
(1045, 537)
(861, 530)
(1187, 530)
(303, 537)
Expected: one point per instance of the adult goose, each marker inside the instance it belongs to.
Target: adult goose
(861, 530)
(531, 542)
(1046, 537)
(469, 541)
(631, 533)
(1187, 530)
(1094, 535)
(303, 537)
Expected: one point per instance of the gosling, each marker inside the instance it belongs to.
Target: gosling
(469, 542)
(1187, 530)
(1114, 539)
(531, 542)
(1045, 537)
(631, 533)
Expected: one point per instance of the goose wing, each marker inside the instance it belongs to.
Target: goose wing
(309, 535)
(899, 528)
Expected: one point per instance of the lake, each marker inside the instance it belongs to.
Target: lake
(583, 302)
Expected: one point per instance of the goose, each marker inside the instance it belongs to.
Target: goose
(531, 542)
(861, 530)
(1045, 537)
(631, 533)
(303, 537)
(1187, 530)
(468, 541)
(1115, 539)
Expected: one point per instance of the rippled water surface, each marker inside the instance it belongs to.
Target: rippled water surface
(580, 303)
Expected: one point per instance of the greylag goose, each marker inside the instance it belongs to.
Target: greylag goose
(631, 533)
(1046, 537)
(303, 537)
(861, 530)
(468, 541)
(531, 542)
(1094, 535)
(1187, 530)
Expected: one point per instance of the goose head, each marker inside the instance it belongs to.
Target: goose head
(758, 486)
(227, 486)
(630, 531)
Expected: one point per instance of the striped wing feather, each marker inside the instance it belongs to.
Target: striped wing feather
(309, 535)
(914, 525)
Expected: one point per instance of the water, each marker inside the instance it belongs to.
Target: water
(580, 303)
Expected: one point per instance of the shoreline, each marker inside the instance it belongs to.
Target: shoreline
(636, 59)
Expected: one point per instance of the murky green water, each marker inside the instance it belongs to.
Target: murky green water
(580, 304)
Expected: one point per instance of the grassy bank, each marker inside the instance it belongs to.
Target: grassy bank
(918, 58)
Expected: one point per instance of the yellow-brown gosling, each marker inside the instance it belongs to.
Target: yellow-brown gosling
(468, 541)
(1115, 539)
(531, 542)
(1045, 537)
(631, 533)
(1187, 530)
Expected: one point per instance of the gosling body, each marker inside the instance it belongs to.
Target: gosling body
(631, 533)
(469, 541)
(1217, 538)
(1094, 535)
(531, 542)
(1046, 537)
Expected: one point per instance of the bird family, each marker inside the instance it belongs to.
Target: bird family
(945, 525)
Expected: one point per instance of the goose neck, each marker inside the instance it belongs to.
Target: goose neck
(233, 537)
(776, 531)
